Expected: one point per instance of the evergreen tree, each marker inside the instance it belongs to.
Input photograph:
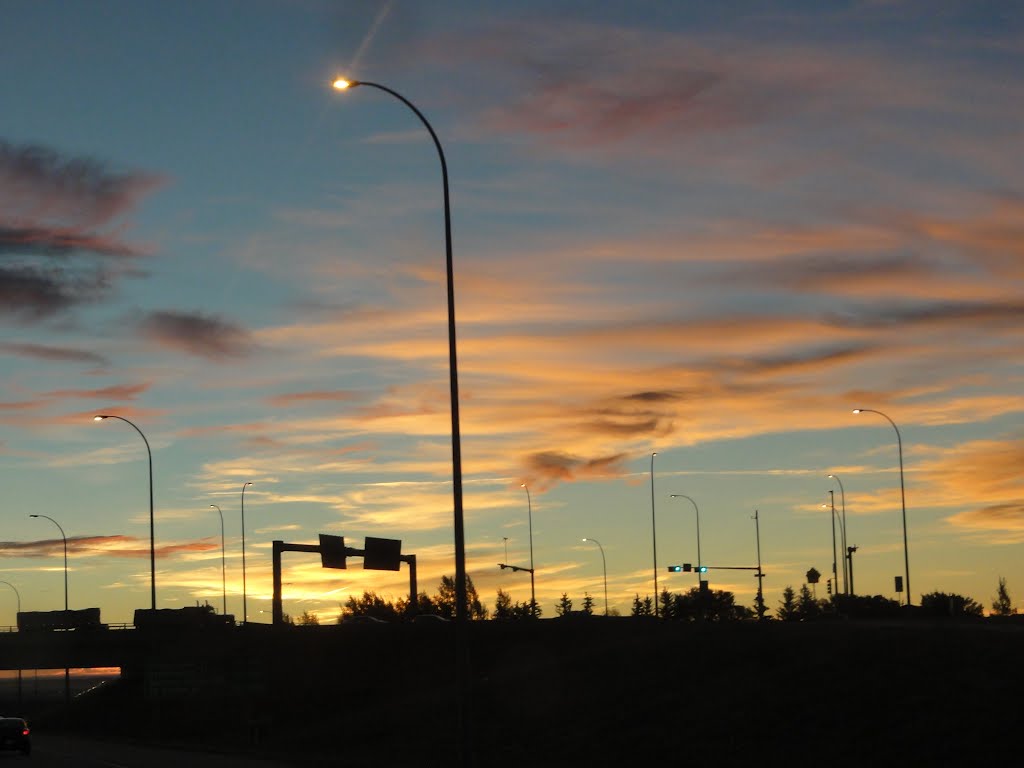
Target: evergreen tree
(308, 619)
(503, 605)
(588, 604)
(1002, 605)
(643, 607)
(787, 606)
(807, 607)
(564, 606)
(665, 604)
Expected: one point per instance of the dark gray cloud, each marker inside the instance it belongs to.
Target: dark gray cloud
(197, 334)
(938, 313)
(57, 228)
(56, 354)
(549, 467)
(30, 293)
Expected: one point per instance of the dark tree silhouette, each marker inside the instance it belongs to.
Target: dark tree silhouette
(445, 599)
(370, 604)
(1002, 606)
(588, 604)
(643, 607)
(564, 605)
(787, 610)
(942, 604)
(503, 605)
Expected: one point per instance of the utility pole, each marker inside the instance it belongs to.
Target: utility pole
(760, 574)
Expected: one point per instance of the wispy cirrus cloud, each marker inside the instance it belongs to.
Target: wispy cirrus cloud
(115, 392)
(101, 546)
(314, 396)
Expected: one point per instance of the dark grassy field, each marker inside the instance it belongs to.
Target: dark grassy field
(591, 692)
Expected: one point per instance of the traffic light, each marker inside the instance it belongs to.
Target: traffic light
(686, 567)
(702, 569)
(828, 585)
(675, 568)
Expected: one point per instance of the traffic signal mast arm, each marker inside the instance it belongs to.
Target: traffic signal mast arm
(687, 567)
(514, 568)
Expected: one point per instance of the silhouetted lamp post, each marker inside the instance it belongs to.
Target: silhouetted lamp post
(654, 537)
(529, 512)
(152, 537)
(223, 566)
(16, 593)
(903, 497)
(65, 538)
(245, 608)
(683, 496)
(604, 567)
(342, 84)
(835, 565)
(847, 577)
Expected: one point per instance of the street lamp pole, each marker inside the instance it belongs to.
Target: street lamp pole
(152, 537)
(654, 537)
(604, 567)
(65, 538)
(683, 496)
(18, 595)
(16, 592)
(760, 573)
(903, 496)
(460, 539)
(245, 608)
(529, 511)
(847, 575)
(223, 566)
(835, 573)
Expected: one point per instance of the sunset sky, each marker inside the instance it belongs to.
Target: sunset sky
(707, 230)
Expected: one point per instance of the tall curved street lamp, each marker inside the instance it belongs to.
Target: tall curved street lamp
(654, 536)
(65, 538)
(835, 564)
(16, 593)
(847, 587)
(152, 536)
(245, 608)
(604, 567)
(341, 84)
(529, 512)
(903, 496)
(223, 566)
(683, 496)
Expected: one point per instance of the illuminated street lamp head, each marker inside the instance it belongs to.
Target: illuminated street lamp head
(99, 418)
(857, 410)
(33, 515)
(341, 84)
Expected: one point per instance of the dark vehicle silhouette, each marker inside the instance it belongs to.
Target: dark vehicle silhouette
(14, 734)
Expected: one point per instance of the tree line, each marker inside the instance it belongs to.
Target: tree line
(695, 604)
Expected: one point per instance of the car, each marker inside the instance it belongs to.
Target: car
(429, 618)
(361, 618)
(14, 734)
